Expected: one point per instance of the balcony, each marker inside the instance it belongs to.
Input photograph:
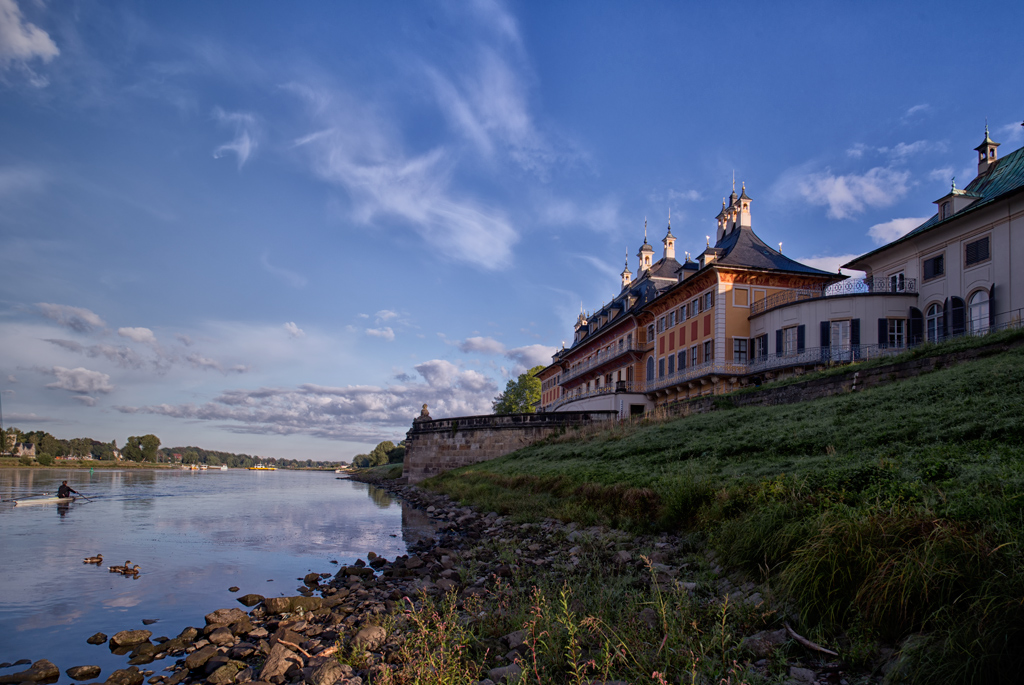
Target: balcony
(692, 373)
(603, 357)
(851, 286)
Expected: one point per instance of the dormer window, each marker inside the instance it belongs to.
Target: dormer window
(944, 210)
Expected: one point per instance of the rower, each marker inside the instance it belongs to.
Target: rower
(64, 491)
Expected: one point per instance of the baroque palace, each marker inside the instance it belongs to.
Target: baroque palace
(743, 312)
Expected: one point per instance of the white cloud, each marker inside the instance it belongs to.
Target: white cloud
(857, 150)
(125, 357)
(244, 143)
(849, 194)
(368, 413)
(288, 277)
(385, 315)
(482, 344)
(385, 333)
(293, 330)
(831, 264)
(891, 230)
(917, 109)
(904, 150)
(139, 335)
(604, 268)
(20, 40)
(80, 380)
(689, 195)
(86, 400)
(531, 355)
(942, 174)
(183, 339)
(1011, 133)
(76, 318)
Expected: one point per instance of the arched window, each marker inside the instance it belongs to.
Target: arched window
(933, 323)
(978, 313)
(650, 368)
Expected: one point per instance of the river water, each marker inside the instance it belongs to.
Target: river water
(193, 535)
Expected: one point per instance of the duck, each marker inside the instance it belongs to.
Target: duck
(118, 569)
(133, 571)
(98, 559)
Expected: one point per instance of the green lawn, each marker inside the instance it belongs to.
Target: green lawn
(890, 512)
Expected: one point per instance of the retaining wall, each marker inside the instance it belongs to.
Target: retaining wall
(435, 446)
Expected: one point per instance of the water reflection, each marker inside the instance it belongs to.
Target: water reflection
(63, 508)
(379, 496)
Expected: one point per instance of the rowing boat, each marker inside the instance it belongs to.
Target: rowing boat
(44, 500)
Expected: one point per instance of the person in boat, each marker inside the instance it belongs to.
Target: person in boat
(64, 491)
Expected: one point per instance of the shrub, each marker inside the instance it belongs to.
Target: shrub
(45, 459)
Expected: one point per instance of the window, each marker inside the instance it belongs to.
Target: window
(682, 313)
(839, 340)
(693, 356)
(933, 323)
(976, 252)
(661, 368)
(629, 340)
(944, 210)
(650, 368)
(695, 307)
(682, 360)
(739, 350)
(709, 300)
(978, 309)
(934, 267)
(671, 319)
(897, 332)
(671, 364)
(661, 324)
(897, 283)
(709, 351)
(650, 333)
(789, 340)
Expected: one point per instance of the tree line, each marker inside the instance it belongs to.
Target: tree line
(384, 453)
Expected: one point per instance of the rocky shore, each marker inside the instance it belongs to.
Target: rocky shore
(353, 625)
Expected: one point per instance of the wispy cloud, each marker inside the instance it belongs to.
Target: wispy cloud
(20, 40)
(76, 318)
(244, 144)
(124, 356)
(482, 344)
(293, 330)
(19, 180)
(601, 216)
(524, 358)
(846, 195)
(285, 275)
(891, 230)
(917, 109)
(1011, 133)
(386, 333)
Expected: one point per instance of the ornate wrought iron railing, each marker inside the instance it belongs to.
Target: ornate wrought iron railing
(851, 286)
(603, 357)
(691, 373)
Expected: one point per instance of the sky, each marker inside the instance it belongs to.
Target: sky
(281, 228)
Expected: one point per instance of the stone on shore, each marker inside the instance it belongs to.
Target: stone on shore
(250, 600)
(370, 637)
(762, 644)
(226, 616)
(97, 639)
(284, 605)
(198, 658)
(327, 673)
(126, 676)
(42, 671)
(221, 637)
(509, 674)
(278, 662)
(130, 638)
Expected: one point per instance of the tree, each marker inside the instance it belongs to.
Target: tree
(141, 448)
(45, 459)
(520, 394)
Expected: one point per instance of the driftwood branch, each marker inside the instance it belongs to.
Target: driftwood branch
(807, 643)
(295, 646)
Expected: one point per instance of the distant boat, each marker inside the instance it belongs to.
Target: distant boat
(261, 467)
(44, 500)
(339, 470)
(223, 467)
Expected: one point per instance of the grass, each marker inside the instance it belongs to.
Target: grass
(891, 512)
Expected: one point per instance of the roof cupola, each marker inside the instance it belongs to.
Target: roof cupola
(986, 153)
(669, 241)
(627, 277)
(743, 203)
(646, 253)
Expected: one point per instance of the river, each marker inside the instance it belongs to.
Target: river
(193, 535)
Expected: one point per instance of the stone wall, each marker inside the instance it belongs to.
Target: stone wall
(435, 446)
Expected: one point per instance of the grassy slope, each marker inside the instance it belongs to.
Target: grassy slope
(890, 511)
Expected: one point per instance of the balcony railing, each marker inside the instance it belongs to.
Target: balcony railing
(603, 357)
(851, 286)
(691, 373)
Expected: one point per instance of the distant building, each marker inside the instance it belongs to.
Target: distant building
(743, 312)
(24, 449)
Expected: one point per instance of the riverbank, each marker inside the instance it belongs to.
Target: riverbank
(15, 463)
(489, 598)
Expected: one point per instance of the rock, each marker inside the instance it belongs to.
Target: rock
(445, 585)
(762, 644)
(233, 588)
(83, 672)
(242, 627)
(221, 637)
(283, 605)
(802, 675)
(278, 662)
(649, 617)
(505, 673)
(370, 637)
(250, 600)
(97, 639)
(226, 616)
(198, 658)
(623, 557)
(130, 638)
(149, 621)
(42, 671)
(126, 676)
(326, 673)
(188, 634)
(413, 562)
(516, 639)
(311, 579)
(225, 674)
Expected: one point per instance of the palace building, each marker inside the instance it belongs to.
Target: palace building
(743, 312)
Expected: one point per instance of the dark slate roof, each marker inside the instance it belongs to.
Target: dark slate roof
(1005, 177)
(742, 248)
(665, 268)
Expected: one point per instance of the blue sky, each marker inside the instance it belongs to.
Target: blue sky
(280, 228)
